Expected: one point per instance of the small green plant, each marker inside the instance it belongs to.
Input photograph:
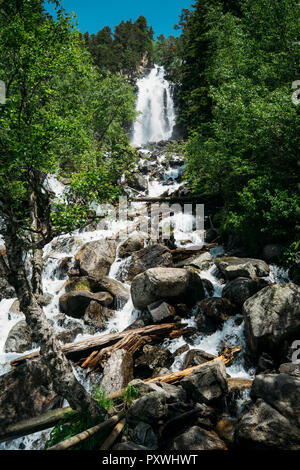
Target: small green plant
(82, 286)
(70, 426)
(101, 397)
(130, 394)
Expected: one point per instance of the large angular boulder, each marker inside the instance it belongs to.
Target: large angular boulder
(263, 427)
(75, 303)
(271, 316)
(152, 357)
(160, 311)
(282, 392)
(197, 438)
(240, 289)
(149, 257)
(217, 309)
(19, 338)
(232, 267)
(135, 242)
(95, 258)
(207, 383)
(137, 181)
(118, 371)
(170, 284)
(149, 408)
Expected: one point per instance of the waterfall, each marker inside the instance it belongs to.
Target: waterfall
(156, 107)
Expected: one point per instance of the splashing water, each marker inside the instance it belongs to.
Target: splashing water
(156, 106)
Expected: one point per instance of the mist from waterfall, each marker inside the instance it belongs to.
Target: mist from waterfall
(156, 108)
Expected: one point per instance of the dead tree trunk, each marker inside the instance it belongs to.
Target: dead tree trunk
(64, 381)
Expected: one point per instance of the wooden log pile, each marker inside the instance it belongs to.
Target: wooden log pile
(86, 347)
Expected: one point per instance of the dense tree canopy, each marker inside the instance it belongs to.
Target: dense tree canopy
(236, 65)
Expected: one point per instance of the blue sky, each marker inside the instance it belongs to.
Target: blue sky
(93, 15)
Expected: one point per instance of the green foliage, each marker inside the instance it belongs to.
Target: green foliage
(101, 397)
(237, 72)
(70, 426)
(122, 50)
(129, 394)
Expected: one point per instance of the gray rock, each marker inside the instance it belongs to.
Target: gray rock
(282, 392)
(271, 316)
(197, 438)
(95, 258)
(144, 435)
(203, 261)
(19, 338)
(217, 309)
(232, 267)
(75, 303)
(241, 289)
(118, 371)
(207, 383)
(137, 181)
(179, 285)
(160, 311)
(97, 315)
(149, 408)
(290, 368)
(194, 357)
(135, 242)
(263, 427)
(149, 257)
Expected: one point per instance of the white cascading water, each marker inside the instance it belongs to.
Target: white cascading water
(156, 108)
(151, 90)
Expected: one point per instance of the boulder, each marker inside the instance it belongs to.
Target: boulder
(149, 408)
(207, 383)
(271, 316)
(218, 309)
(294, 271)
(194, 357)
(282, 392)
(225, 428)
(144, 435)
(240, 289)
(137, 181)
(153, 357)
(197, 438)
(178, 285)
(263, 427)
(119, 292)
(97, 315)
(232, 267)
(135, 242)
(160, 311)
(95, 258)
(118, 371)
(19, 338)
(149, 257)
(26, 392)
(202, 262)
(75, 303)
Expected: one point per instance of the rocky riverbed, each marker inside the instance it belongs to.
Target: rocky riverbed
(98, 282)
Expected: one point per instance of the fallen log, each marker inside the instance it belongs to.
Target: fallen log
(113, 436)
(72, 441)
(227, 357)
(73, 350)
(39, 423)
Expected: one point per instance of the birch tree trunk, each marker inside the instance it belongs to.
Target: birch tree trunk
(64, 381)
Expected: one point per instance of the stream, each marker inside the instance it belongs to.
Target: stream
(155, 124)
